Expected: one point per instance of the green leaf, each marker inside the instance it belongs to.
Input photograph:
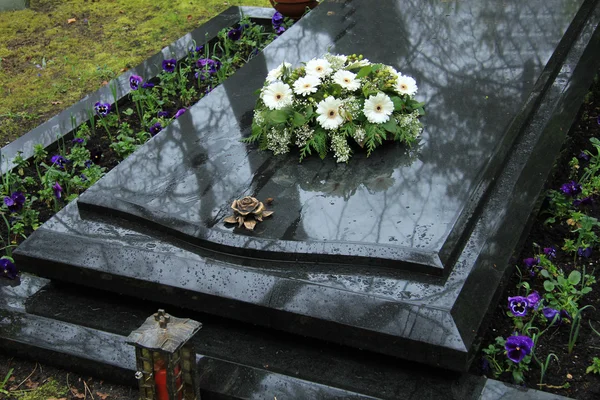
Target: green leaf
(298, 119)
(574, 277)
(364, 71)
(390, 126)
(278, 116)
(549, 286)
(545, 273)
(398, 103)
(586, 290)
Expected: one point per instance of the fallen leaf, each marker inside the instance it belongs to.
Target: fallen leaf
(102, 396)
(189, 17)
(123, 69)
(76, 393)
(31, 384)
(569, 376)
(56, 102)
(71, 20)
(164, 39)
(121, 12)
(269, 201)
(104, 83)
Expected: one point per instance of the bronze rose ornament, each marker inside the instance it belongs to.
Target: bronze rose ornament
(247, 211)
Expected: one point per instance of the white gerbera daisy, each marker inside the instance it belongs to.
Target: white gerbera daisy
(378, 108)
(306, 85)
(406, 85)
(329, 113)
(276, 73)
(346, 80)
(318, 67)
(277, 95)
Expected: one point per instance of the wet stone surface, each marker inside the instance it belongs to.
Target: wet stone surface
(400, 253)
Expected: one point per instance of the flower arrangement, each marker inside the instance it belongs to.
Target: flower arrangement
(323, 104)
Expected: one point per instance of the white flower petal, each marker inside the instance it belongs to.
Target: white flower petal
(318, 67)
(378, 108)
(406, 85)
(276, 73)
(346, 80)
(328, 111)
(306, 85)
(277, 96)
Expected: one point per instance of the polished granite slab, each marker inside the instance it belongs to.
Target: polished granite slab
(480, 67)
(503, 85)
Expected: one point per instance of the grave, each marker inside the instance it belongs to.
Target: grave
(373, 278)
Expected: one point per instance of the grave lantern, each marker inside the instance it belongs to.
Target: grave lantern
(166, 362)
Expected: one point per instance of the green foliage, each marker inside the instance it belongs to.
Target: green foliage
(5, 381)
(594, 367)
(50, 389)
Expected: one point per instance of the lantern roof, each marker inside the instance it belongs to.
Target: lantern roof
(163, 332)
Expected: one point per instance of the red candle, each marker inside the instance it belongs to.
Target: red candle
(160, 380)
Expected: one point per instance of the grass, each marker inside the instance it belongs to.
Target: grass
(57, 51)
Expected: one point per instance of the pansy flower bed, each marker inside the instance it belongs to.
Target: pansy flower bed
(39, 186)
(545, 333)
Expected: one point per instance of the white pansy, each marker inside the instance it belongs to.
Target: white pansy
(346, 80)
(329, 113)
(378, 108)
(276, 73)
(277, 95)
(318, 67)
(306, 85)
(406, 85)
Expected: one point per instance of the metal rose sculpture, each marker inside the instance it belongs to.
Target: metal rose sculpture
(247, 211)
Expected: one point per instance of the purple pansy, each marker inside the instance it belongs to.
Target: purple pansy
(154, 129)
(517, 347)
(8, 268)
(15, 201)
(584, 252)
(162, 114)
(197, 49)
(518, 305)
(235, 34)
(57, 190)
(207, 67)
(550, 252)
(180, 112)
(88, 163)
(169, 65)
(533, 299)
(59, 161)
(531, 262)
(584, 156)
(78, 140)
(586, 201)
(102, 109)
(571, 188)
(279, 30)
(277, 19)
(147, 85)
(135, 81)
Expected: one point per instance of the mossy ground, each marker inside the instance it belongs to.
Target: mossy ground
(48, 61)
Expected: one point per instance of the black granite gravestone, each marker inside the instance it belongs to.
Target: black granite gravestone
(400, 253)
